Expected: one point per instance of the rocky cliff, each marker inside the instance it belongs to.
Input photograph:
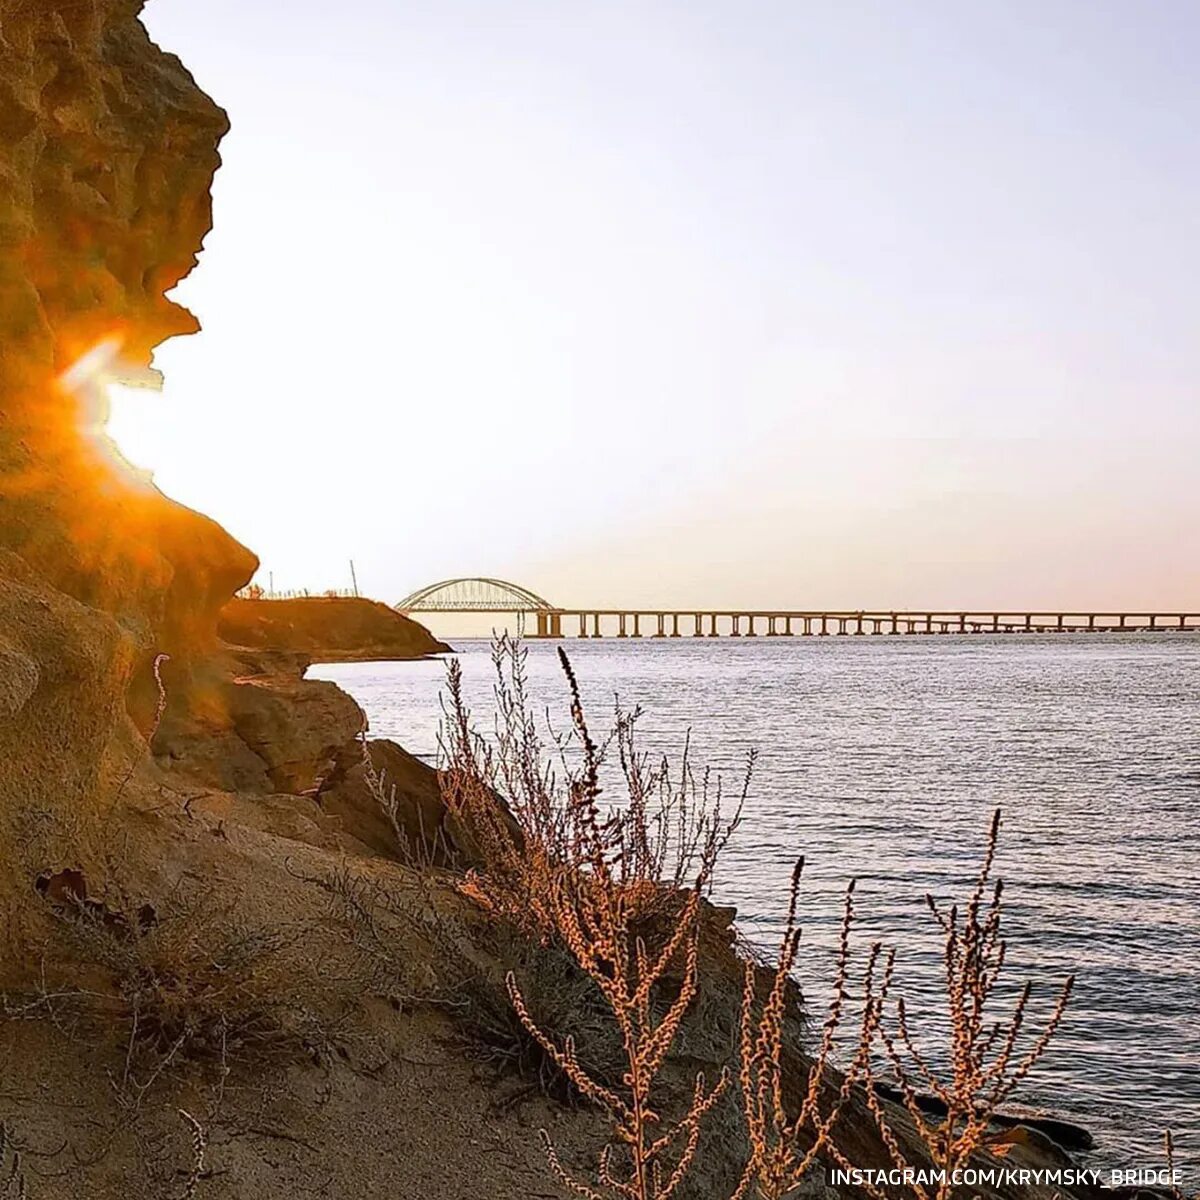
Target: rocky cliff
(108, 152)
(114, 681)
(327, 629)
(109, 590)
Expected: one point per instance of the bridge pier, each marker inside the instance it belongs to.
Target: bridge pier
(698, 631)
(549, 624)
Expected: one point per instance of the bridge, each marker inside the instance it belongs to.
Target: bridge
(488, 596)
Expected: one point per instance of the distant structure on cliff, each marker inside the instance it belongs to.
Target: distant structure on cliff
(485, 595)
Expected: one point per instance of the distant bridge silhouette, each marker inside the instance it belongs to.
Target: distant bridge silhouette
(477, 595)
(484, 595)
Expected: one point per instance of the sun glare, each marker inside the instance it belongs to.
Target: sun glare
(130, 426)
(94, 368)
(135, 424)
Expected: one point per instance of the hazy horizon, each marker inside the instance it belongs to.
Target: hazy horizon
(786, 305)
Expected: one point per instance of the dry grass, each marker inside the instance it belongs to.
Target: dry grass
(530, 805)
(428, 849)
(785, 1146)
(191, 984)
(989, 1057)
(617, 888)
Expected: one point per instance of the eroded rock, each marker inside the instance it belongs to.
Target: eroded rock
(327, 629)
(18, 680)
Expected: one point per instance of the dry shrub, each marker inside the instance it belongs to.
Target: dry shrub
(988, 1058)
(619, 889)
(648, 1159)
(529, 803)
(785, 1145)
(557, 996)
(406, 935)
(191, 983)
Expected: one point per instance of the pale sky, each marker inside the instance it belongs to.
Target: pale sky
(773, 304)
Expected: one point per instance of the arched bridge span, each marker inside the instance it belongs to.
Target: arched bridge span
(477, 595)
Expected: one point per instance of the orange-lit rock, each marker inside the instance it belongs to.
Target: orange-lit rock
(107, 153)
(327, 629)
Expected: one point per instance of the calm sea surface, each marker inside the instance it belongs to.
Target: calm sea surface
(882, 758)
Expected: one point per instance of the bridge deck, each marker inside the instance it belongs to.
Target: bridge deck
(491, 596)
(734, 622)
(823, 622)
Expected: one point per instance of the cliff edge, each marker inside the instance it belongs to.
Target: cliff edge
(327, 629)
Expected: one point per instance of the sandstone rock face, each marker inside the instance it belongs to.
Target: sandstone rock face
(19, 677)
(64, 732)
(420, 812)
(104, 186)
(327, 629)
(107, 152)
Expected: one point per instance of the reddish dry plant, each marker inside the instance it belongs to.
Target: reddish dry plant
(1177, 1192)
(986, 1067)
(601, 883)
(199, 1151)
(783, 1148)
(647, 1159)
(529, 805)
(605, 885)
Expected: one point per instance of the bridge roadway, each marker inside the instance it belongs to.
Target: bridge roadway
(489, 595)
(601, 622)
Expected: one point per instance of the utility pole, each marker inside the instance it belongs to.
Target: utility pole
(353, 578)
